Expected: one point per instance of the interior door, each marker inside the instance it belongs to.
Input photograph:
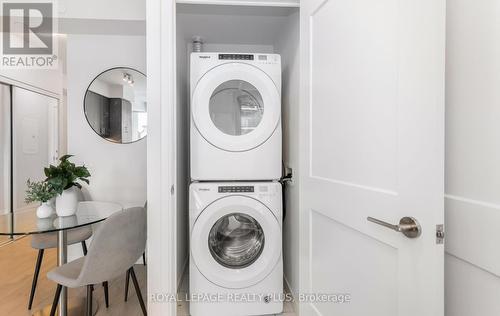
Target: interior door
(372, 128)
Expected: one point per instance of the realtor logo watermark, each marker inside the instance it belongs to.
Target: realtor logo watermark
(28, 35)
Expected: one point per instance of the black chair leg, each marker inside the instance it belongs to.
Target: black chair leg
(138, 291)
(144, 258)
(89, 300)
(56, 300)
(127, 279)
(106, 295)
(35, 276)
(84, 247)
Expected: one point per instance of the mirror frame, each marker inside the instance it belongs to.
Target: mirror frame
(85, 98)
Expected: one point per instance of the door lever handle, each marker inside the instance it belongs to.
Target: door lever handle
(408, 226)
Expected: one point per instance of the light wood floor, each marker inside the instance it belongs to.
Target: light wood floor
(17, 263)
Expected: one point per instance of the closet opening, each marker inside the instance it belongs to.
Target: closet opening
(240, 31)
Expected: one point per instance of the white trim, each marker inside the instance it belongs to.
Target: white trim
(257, 3)
(475, 265)
(472, 201)
(161, 173)
(26, 86)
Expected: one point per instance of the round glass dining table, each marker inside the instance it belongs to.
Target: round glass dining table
(27, 223)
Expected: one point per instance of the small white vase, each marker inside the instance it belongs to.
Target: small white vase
(45, 210)
(67, 202)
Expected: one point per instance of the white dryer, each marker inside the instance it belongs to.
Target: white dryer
(235, 116)
(236, 265)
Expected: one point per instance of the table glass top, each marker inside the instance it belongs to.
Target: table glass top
(26, 222)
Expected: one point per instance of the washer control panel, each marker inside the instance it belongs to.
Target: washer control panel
(236, 56)
(236, 189)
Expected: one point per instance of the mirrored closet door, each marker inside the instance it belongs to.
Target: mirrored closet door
(28, 143)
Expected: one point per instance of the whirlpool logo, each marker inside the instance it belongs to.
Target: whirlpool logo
(28, 36)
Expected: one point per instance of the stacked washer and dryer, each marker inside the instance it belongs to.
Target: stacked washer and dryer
(235, 199)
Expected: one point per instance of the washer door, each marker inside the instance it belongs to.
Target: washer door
(236, 242)
(236, 107)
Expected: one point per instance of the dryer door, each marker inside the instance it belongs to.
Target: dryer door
(236, 107)
(236, 242)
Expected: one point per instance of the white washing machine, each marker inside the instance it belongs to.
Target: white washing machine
(235, 116)
(236, 265)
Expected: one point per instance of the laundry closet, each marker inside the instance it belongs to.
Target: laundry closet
(361, 131)
(267, 89)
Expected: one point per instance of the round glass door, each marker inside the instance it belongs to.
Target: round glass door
(236, 107)
(236, 240)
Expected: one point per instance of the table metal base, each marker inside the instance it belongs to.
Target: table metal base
(62, 258)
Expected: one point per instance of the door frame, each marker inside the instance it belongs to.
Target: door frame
(161, 158)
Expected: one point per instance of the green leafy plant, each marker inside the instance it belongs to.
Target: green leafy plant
(66, 175)
(38, 192)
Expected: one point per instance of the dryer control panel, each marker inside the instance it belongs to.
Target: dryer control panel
(236, 56)
(236, 189)
(257, 58)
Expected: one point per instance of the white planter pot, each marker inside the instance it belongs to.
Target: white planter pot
(45, 210)
(67, 202)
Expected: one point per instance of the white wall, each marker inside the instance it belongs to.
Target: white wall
(473, 158)
(47, 81)
(118, 170)
(104, 88)
(288, 47)
(105, 10)
(256, 26)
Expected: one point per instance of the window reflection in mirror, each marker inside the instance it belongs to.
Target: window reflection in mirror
(116, 107)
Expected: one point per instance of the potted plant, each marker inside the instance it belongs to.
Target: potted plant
(40, 192)
(65, 179)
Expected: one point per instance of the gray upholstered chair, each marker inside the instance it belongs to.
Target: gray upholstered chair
(48, 241)
(127, 277)
(117, 244)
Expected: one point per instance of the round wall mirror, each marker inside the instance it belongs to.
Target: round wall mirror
(115, 105)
